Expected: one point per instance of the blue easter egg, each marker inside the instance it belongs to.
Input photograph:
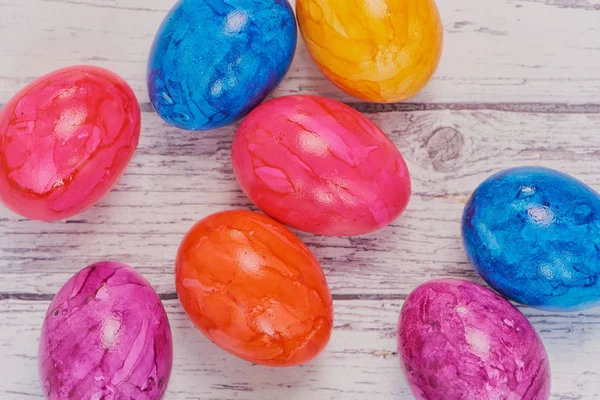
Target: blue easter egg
(533, 234)
(213, 61)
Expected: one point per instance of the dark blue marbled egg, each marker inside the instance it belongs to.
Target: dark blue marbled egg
(533, 234)
(213, 61)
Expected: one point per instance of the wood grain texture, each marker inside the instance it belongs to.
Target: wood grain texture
(513, 89)
(360, 362)
(501, 51)
(176, 178)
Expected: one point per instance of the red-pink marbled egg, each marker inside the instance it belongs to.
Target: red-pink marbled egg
(65, 140)
(320, 166)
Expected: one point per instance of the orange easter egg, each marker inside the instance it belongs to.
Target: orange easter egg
(378, 50)
(254, 289)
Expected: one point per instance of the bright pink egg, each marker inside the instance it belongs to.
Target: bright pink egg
(459, 340)
(65, 140)
(320, 166)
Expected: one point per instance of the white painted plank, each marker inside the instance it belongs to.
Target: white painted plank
(360, 362)
(505, 50)
(177, 178)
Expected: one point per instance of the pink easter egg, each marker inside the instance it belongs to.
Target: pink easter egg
(106, 335)
(459, 340)
(320, 166)
(65, 140)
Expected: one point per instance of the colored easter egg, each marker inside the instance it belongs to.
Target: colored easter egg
(379, 50)
(320, 166)
(458, 340)
(534, 235)
(106, 336)
(254, 289)
(65, 140)
(214, 61)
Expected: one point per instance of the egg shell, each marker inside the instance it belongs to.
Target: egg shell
(534, 235)
(254, 289)
(65, 140)
(379, 50)
(214, 61)
(106, 336)
(319, 166)
(459, 340)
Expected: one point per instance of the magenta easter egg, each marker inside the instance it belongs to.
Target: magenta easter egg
(65, 140)
(106, 336)
(459, 340)
(320, 166)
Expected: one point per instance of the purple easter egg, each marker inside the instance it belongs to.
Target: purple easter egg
(106, 336)
(459, 340)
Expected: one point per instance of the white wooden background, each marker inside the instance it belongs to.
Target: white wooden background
(519, 84)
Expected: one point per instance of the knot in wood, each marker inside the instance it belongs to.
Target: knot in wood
(444, 146)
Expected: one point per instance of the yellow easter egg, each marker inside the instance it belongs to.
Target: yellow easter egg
(377, 50)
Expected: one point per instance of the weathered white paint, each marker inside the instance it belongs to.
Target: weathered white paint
(359, 363)
(497, 50)
(514, 88)
(177, 177)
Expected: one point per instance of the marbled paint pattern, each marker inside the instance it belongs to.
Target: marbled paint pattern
(215, 60)
(65, 140)
(378, 50)
(459, 340)
(106, 336)
(534, 235)
(320, 166)
(254, 289)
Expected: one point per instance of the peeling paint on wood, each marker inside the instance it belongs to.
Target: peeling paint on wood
(513, 89)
